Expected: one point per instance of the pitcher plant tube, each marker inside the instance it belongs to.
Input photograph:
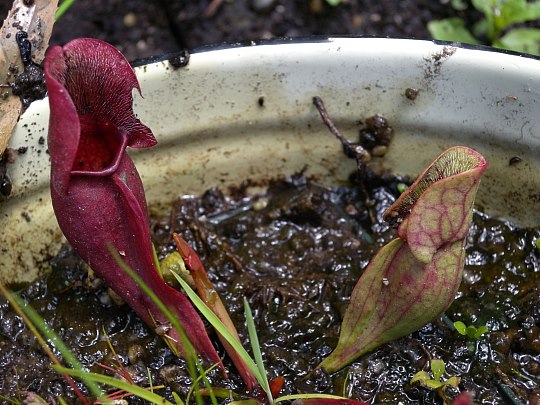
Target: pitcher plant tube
(97, 194)
(415, 277)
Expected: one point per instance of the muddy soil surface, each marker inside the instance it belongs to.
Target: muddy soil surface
(295, 253)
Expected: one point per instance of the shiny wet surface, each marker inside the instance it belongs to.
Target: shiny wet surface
(295, 252)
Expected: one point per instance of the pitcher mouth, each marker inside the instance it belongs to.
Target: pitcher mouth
(98, 155)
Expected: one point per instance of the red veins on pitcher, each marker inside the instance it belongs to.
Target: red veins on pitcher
(415, 277)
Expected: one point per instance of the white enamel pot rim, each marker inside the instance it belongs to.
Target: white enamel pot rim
(237, 112)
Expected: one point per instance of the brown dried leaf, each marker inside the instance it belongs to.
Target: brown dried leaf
(36, 17)
(10, 110)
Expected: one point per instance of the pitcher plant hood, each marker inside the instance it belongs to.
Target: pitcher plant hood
(97, 194)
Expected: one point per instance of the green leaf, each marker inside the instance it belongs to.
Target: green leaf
(524, 40)
(115, 382)
(437, 368)
(460, 327)
(420, 377)
(402, 187)
(453, 381)
(459, 5)
(486, 6)
(489, 8)
(480, 331)
(256, 348)
(333, 3)
(517, 11)
(471, 331)
(433, 384)
(501, 14)
(451, 29)
(480, 28)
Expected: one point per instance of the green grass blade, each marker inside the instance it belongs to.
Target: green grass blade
(177, 399)
(193, 373)
(221, 329)
(150, 382)
(116, 383)
(63, 8)
(170, 317)
(256, 348)
(156, 261)
(345, 382)
(203, 377)
(306, 396)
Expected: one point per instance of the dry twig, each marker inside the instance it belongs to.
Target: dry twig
(356, 151)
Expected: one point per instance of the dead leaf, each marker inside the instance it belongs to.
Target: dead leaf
(36, 17)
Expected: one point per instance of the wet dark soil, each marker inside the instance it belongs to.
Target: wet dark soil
(295, 252)
(142, 28)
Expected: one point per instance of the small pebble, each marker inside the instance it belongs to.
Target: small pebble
(115, 297)
(379, 150)
(262, 6)
(119, 402)
(316, 6)
(260, 204)
(170, 373)
(130, 20)
(105, 299)
(142, 45)
(135, 352)
(411, 93)
(375, 17)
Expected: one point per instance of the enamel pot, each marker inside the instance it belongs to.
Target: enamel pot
(237, 112)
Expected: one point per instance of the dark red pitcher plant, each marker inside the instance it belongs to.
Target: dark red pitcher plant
(97, 194)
